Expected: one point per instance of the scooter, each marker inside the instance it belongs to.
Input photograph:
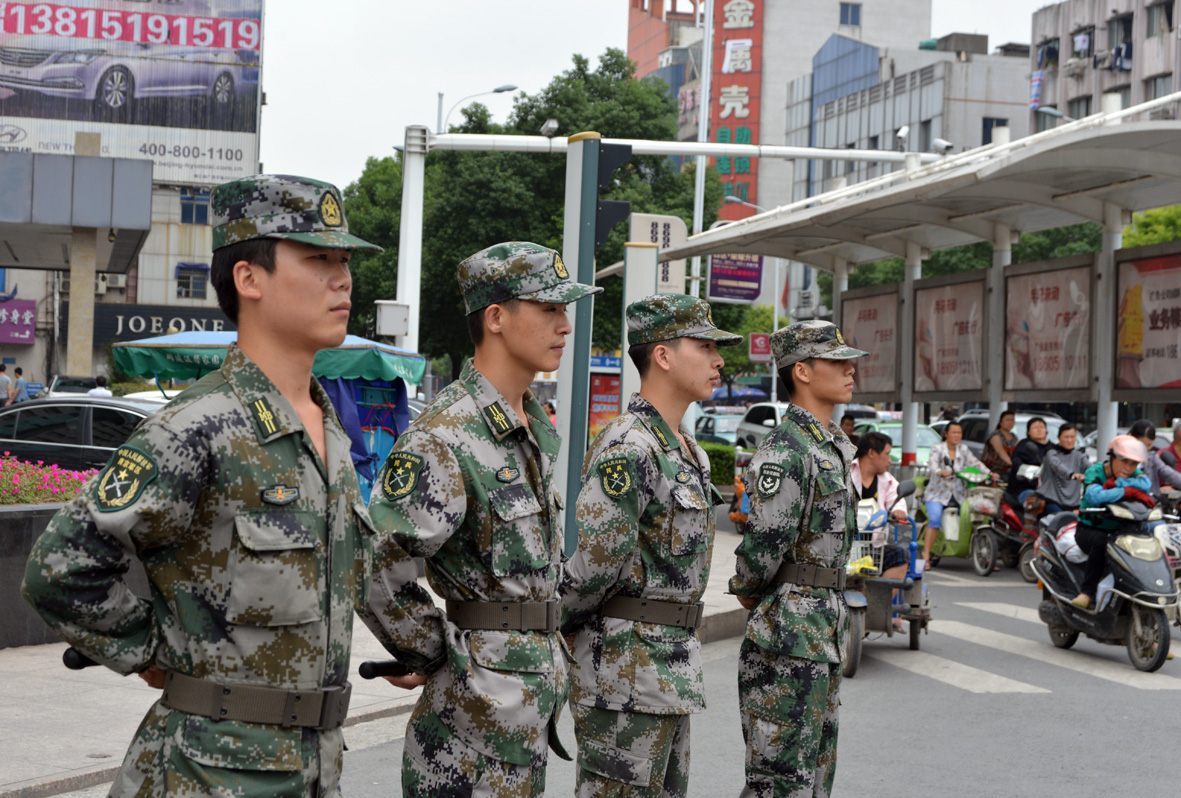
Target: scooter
(1015, 528)
(1134, 598)
(967, 533)
(871, 598)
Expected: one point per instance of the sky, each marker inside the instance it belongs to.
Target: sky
(344, 79)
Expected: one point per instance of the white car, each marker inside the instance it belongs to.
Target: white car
(760, 419)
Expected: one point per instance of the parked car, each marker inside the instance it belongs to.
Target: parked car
(1164, 438)
(718, 428)
(759, 419)
(63, 385)
(939, 426)
(925, 438)
(860, 411)
(76, 433)
(977, 429)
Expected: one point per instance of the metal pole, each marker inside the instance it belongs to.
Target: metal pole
(1107, 411)
(910, 408)
(774, 328)
(410, 233)
(994, 381)
(703, 110)
(439, 117)
(840, 284)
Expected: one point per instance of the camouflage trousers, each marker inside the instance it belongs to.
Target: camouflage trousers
(188, 756)
(437, 764)
(789, 722)
(631, 754)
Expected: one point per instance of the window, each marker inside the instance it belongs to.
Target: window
(874, 141)
(1119, 32)
(850, 13)
(191, 281)
(925, 136)
(1079, 107)
(52, 424)
(111, 427)
(8, 425)
(900, 143)
(1044, 121)
(1158, 86)
(194, 206)
(1125, 96)
(989, 123)
(1160, 19)
(1047, 54)
(757, 415)
(851, 166)
(1082, 43)
(974, 428)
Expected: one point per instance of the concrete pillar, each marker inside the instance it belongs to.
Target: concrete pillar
(994, 373)
(910, 408)
(640, 271)
(840, 284)
(1107, 411)
(409, 285)
(83, 268)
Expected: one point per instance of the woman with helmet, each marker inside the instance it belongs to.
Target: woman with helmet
(1116, 479)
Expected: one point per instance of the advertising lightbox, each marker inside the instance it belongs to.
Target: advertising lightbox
(949, 337)
(869, 322)
(1148, 344)
(1048, 331)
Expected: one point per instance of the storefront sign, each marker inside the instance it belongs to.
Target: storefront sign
(118, 322)
(760, 347)
(949, 332)
(1148, 349)
(735, 278)
(1047, 330)
(871, 325)
(735, 97)
(604, 404)
(18, 318)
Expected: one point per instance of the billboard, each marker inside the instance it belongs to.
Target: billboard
(18, 320)
(604, 391)
(175, 82)
(735, 278)
(870, 323)
(736, 97)
(1148, 347)
(949, 338)
(1047, 330)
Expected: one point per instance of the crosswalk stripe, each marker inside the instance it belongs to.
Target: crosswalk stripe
(1045, 652)
(1005, 610)
(955, 580)
(953, 673)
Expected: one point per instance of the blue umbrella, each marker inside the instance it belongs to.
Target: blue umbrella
(739, 392)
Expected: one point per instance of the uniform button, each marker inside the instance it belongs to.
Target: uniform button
(226, 691)
(224, 711)
(297, 698)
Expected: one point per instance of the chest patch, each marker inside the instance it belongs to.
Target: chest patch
(616, 477)
(825, 464)
(507, 474)
(124, 479)
(770, 479)
(280, 495)
(401, 474)
(682, 477)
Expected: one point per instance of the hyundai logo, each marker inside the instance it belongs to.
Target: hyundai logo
(11, 134)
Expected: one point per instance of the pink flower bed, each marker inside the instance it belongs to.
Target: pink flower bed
(22, 482)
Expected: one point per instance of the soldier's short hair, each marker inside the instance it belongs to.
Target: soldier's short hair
(641, 354)
(475, 319)
(259, 251)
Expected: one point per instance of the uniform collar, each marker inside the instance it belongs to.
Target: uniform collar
(651, 418)
(495, 408)
(810, 425)
(271, 413)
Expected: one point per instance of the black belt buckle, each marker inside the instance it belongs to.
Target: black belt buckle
(335, 706)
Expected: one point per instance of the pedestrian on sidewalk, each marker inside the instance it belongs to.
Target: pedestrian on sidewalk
(469, 487)
(100, 387)
(631, 594)
(5, 385)
(791, 572)
(240, 500)
(20, 387)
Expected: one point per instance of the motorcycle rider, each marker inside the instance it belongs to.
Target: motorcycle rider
(1031, 451)
(1158, 471)
(1119, 478)
(1061, 484)
(943, 488)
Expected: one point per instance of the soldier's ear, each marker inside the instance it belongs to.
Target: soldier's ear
(801, 371)
(247, 280)
(661, 357)
(494, 318)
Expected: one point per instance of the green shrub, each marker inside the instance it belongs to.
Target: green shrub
(721, 462)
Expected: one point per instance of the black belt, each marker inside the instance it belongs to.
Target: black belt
(525, 616)
(665, 613)
(324, 708)
(811, 575)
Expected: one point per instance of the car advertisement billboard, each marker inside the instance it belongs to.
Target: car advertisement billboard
(174, 81)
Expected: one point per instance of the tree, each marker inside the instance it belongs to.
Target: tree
(1154, 226)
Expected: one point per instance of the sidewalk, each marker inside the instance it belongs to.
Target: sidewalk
(65, 730)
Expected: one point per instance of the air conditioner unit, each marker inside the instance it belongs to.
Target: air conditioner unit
(116, 281)
(1168, 112)
(1074, 67)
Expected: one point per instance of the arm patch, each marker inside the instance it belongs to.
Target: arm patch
(615, 477)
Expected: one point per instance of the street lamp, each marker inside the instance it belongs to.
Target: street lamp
(775, 300)
(442, 120)
(1054, 112)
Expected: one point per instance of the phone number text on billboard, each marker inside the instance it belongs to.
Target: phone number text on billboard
(48, 19)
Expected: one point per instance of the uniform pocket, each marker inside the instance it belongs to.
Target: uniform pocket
(519, 544)
(276, 574)
(689, 528)
(616, 764)
(240, 746)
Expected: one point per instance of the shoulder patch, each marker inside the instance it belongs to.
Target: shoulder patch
(507, 474)
(615, 476)
(401, 474)
(660, 436)
(770, 479)
(280, 495)
(124, 480)
(264, 417)
(817, 435)
(498, 418)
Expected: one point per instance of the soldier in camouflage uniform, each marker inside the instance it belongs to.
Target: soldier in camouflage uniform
(240, 500)
(632, 591)
(791, 570)
(469, 488)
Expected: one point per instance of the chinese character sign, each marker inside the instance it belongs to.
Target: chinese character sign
(1047, 330)
(735, 100)
(949, 333)
(1148, 347)
(735, 278)
(871, 324)
(18, 318)
(604, 406)
(760, 347)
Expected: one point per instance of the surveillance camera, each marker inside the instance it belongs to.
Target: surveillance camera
(903, 132)
(550, 128)
(941, 146)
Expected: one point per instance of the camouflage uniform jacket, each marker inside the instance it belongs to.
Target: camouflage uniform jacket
(801, 511)
(468, 487)
(256, 550)
(645, 530)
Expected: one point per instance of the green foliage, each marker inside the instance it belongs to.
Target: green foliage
(1154, 226)
(721, 462)
(475, 199)
(754, 318)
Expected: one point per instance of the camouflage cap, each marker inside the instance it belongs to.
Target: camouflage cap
(806, 339)
(281, 206)
(517, 270)
(663, 317)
